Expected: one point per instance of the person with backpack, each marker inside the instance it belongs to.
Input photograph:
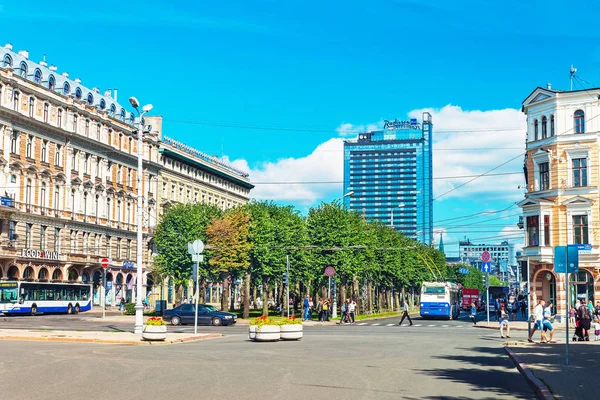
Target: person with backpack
(326, 310)
(344, 310)
(585, 320)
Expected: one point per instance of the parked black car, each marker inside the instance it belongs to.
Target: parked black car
(207, 315)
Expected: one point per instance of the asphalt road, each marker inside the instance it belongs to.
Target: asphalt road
(449, 360)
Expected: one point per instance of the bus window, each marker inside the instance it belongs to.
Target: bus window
(8, 294)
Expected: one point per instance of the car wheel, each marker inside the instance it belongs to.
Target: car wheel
(175, 320)
(70, 309)
(77, 308)
(33, 309)
(216, 321)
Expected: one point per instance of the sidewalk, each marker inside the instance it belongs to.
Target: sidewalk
(578, 380)
(98, 337)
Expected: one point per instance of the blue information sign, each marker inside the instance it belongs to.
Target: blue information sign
(560, 258)
(486, 267)
(109, 285)
(463, 271)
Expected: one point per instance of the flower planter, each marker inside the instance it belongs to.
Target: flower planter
(291, 332)
(268, 333)
(252, 331)
(154, 332)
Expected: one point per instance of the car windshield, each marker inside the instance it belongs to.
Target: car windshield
(210, 308)
(434, 290)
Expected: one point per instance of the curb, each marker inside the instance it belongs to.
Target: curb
(541, 391)
(108, 341)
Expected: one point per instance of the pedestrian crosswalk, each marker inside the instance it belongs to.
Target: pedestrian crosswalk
(416, 325)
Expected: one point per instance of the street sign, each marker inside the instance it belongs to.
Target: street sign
(486, 267)
(197, 258)
(196, 247)
(503, 265)
(105, 262)
(486, 256)
(584, 248)
(329, 271)
(560, 259)
(109, 285)
(463, 271)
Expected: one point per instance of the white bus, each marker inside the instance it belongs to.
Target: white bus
(440, 300)
(18, 297)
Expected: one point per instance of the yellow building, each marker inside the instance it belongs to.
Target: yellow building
(561, 200)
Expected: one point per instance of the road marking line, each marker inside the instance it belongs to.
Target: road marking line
(376, 324)
(430, 325)
(418, 325)
(445, 326)
(361, 324)
(390, 324)
(458, 326)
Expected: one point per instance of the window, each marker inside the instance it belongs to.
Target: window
(85, 201)
(119, 175)
(15, 100)
(579, 172)
(97, 206)
(7, 61)
(44, 151)
(546, 230)
(73, 241)
(51, 83)
(43, 195)
(31, 106)
(118, 248)
(87, 127)
(73, 201)
(108, 209)
(128, 220)
(544, 127)
(98, 164)
(118, 216)
(28, 228)
(90, 99)
(58, 155)
(74, 160)
(28, 149)
(56, 239)
(544, 176)
(78, 93)
(579, 119)
(28, 193)
(580, 229)
(66, 89)
(535, 129)
(86, 164)
(102, 104)
(74, 123)
(12, 230)
(123, 114)
(42, 237)
(129, 182)
(23, 70)
(131, 118)
(97, 131)
(113, 110)
(13, 142)
(59, 122)
(57, 197)
(533, 227)
(37, 76)
(129, 249)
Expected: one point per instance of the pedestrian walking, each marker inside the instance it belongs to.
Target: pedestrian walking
(473, 315)
(326, 310)
(524, 308)
(351, 310)
(305, 308)
(596, 329)
(405, 314)
(311, 308)
(547, 323)
(122, 304)
(585, 319)
(538, 313)
(572, 315)
(597, 310)
(344, 310)
(515, 308)
(320, 310)
(504, 323)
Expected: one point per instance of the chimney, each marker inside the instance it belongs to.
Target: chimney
(549, 86)
(24, 53)
(77, 80)
(53, 68)
(65, 74)
(43, 63)
(8, 46)
(115, 94)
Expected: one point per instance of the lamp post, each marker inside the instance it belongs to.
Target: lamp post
(139, 308)
(401, 205)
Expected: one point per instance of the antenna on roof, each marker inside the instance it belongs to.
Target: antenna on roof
(572, 74)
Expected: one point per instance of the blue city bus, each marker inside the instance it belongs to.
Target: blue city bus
(18, 297)
(440, 300)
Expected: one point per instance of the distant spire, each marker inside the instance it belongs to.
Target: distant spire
(441, 248)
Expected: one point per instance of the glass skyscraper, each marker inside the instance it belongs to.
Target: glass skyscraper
(390, 173)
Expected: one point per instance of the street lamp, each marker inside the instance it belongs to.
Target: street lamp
(392, 214)
(139, 308)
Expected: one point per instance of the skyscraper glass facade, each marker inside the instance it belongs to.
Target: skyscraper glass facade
(390, 173)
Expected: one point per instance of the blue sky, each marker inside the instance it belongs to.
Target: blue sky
(308, 74)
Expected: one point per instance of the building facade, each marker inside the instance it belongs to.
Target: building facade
(68, 170)
(390, 173)
(188, 175)
(561, 201)
(503, 256)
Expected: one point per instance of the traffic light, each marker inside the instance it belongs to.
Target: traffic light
(285, 278)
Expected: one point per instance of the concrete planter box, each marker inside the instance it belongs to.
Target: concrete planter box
(268, 333)
(154, 332)
(252, 332)
(291, 332)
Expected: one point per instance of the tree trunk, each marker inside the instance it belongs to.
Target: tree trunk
(403, 297)
(246, 312)
(265, 285)
(356, 295)
(225, 294)
(396, 301)
(254, 294)
(342, 293)
(178, 294)
(369, 306)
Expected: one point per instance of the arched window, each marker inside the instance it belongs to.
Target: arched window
(544, 127)
(28, 192)
(66, 89)
(37, 77)
(579, 119)
(113, 110)
(90, 99)
(23, 70)
(102, 104)
(535, 129)
(78, 93)
(131, 118)
(56, 197)
(31, 106)
(51, 83)
(108, 209)
(43, 195)
(7, 61)
(15, 100)
(123, 114)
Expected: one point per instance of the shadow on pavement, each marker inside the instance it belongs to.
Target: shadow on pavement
(489, 372)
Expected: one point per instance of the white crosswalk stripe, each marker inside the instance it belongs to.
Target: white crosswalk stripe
(418, 325)
(390, 324)
(361, 324)
(445, 326)
(376, 324)
(430, 325)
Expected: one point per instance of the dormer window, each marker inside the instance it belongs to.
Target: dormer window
(51, 83)
(131, 118)
(7, 61)
(37, 77)
(78, 93)
(66, 89)
(113, 110)
(123, 114)
(23, 70)
(102, 104)
(90, 99)
(579, 120)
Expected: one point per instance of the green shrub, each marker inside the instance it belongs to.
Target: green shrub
(129, 308)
